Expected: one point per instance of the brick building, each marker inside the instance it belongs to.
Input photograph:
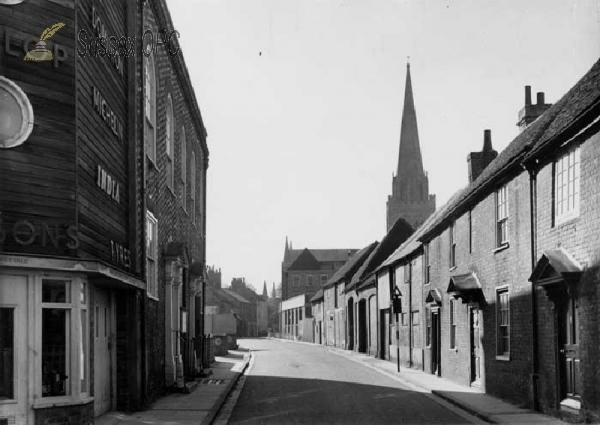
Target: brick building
(499, 287)
(410, 198)
(175, 164)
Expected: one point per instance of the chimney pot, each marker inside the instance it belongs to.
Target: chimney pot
(540, 98)
(527, 95)
(487, 140)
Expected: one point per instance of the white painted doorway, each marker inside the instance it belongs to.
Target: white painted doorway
(104, 361)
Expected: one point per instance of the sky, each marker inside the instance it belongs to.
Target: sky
(302, 101)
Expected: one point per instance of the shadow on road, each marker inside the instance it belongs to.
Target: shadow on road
(278, 400)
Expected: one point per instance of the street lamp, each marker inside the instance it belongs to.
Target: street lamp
(396, 302)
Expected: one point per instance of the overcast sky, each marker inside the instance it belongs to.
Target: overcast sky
(302, 101)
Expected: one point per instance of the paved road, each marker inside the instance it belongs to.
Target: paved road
(291, 383)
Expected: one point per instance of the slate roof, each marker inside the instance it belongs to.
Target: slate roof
(351, 266)
(538, 134)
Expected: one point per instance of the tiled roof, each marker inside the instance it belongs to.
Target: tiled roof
(412, 243)
(397, 235)
(351, 266)
(540, 133)
(235, 295)
(322, 255)
(317, 297)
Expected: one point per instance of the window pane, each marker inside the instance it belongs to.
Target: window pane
(83, 293)
(55, 337)
(7, 353)
(83, 351)
(56, 291)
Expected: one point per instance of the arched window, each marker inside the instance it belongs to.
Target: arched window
(183, 169)
(150, 107)
(193, 186)
(169, 139)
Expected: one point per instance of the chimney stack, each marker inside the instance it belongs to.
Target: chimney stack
(478, 161)
(531, 112)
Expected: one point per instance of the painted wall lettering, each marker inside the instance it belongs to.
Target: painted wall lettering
(107, 114)
(100, 30)
(40, 233)
(120, 255)
(108, 184)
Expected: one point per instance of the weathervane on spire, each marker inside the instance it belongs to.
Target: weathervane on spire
(408, 61)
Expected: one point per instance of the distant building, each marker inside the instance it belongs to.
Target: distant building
(410, 198)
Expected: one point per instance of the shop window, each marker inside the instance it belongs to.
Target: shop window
(7, 352)
(65, 345)
(566, 186)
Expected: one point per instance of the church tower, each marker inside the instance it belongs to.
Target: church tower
(410, 198)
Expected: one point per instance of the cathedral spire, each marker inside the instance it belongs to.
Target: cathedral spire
(409, 160)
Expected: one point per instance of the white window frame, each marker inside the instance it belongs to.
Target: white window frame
(74, 340)
(566, 174)
(193, 186)
(183, 168)
(170, 143)
(25, 109)
(152, 256)
(502, 214)
(150, 108)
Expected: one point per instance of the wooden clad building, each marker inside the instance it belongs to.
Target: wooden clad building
(86, 280)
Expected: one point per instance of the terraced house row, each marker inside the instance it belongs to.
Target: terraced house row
(102, 215)
(498, 288)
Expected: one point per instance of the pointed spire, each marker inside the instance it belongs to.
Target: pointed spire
(409, 160)
(287, 248)
(265, 294)
(273, 293)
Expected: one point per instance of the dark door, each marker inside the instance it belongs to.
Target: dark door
(436, 349)
(569, 350)
(362, 326)
(475, 348)
(384, 350)
(350, 326)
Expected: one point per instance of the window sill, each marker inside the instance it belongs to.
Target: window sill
(152, 297)
(60, 401)
(564, 220)
(8, 401)
(452, 268)
(455, 350)
(503, 358)
(502, 247)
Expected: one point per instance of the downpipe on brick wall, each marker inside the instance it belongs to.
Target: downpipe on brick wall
(534, 319)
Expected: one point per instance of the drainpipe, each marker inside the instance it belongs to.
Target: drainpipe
(410, 331)
(534, 318)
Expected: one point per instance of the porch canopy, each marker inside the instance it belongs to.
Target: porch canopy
(466, 287)
(558, 273)
(433, 298)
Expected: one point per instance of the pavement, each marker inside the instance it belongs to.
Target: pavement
(472, 400)
(200, 406)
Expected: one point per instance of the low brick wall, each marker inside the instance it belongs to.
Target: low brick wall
(82, 414)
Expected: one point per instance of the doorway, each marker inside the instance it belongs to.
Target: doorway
(384, 352)
(103, 352)
(569, 351)
(475, 347)
(436, 343)
(362, 326)
(350, 323)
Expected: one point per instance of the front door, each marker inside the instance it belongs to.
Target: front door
(103, 353)
(569, 350)
(13, 348)
(436, 346)
(475, 348)
(384, 350)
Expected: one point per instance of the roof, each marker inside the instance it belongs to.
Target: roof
(463, 282)
(560, 262)
(433, 297)
(397, 235)
(321, 255)
(235, 295)
(412, 244)
(351, 266)
(538, 134)
(305, 261)
(317, 297)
